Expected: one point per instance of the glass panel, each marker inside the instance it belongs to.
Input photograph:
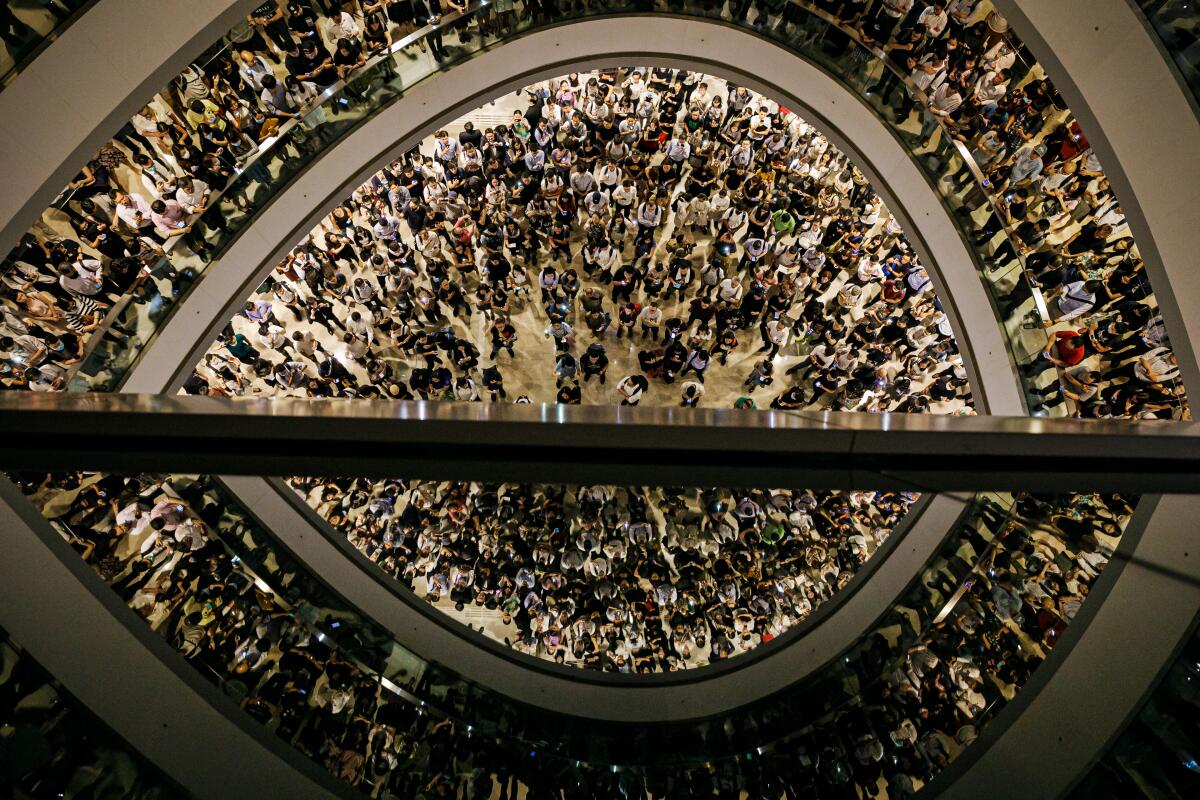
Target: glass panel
(1177, 23)
(960, 640)
(51, 745)
(1158, 754)
(25, 28)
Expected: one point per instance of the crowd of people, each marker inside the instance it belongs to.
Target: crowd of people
(905, 701)
(1050, 209)
(633, 579)
(1052, 206)
(146, 191)
(647, 222)
(645, 225)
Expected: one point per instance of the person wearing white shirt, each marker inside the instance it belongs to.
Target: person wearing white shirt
(631, 389)
(445, 149)
(496, 194)
(730, 290)
(678, 150)
(606, 258)
(361, 324)
(775, 334)
(596, 202)
(991, 87)
(647, 107)
(192, 195)
(719, 203)
(734, 219)
(869, 270)
(253, 69)
(635, 86)
(742, 155)
(386, 227)
(133, 210)
(608, 176)
(934, 18)
(945, 101)
(695, 214)
(341, 26)
(582, 181)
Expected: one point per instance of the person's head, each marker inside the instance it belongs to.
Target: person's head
(343, 45)
(158, 207)
(269, 82)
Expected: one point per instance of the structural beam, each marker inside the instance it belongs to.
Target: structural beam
(592, 444)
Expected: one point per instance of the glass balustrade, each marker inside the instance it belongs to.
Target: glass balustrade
(1177, 23)
(1158, 754)
(26, 28)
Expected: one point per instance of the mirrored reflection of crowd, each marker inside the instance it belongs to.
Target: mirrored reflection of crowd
(642, 579)
(904, 702)
(25, 26)
(641, 225)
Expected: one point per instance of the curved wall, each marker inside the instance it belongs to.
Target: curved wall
(1139, 118)
(369, 589)
(87, 84)
(762, 66)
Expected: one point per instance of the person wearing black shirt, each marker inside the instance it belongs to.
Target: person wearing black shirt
(493, 382)
(470, 135)
(313, 63)
(674, 357)
(503, 335)
(569, 393)
(348, 57)
(594, 362)
(791, 398)
(270, 19)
